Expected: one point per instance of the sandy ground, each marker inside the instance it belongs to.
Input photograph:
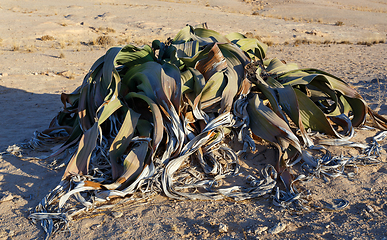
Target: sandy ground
(34, 72)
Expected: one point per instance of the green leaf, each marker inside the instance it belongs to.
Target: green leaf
(312, 116)
(267, 125)
(193, 83)
(235, 36)
(122, 140)
(85, 115)
(132, 166)
(212, 91)
(276, 67)
(79, 163)
(184, 35)
(313, 76)
(253, 47)
(109, 65)
(271, 95)
(131, 55)
(233, 51)
(191, 61)
(207, 33)
(289, 103)
(158, 123)
(186, 49)
(108, 108)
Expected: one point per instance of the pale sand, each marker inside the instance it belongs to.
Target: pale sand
(36, 72)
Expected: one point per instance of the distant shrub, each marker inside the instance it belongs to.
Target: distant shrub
(47, 38)
(339, 23)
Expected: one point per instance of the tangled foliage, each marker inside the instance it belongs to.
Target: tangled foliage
(153, 119)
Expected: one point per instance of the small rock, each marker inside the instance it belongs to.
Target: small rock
(223, 228)
(117, 214)
(66, 74)
(15, 150)
(5, 234)
(260, 230)
(11, 233)
(3, 74)
(9, 197)
(366, 214)
(313, 32)
(95, 226)
(370, 209)
(279, 227)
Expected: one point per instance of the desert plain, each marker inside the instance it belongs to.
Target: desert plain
(46, 47)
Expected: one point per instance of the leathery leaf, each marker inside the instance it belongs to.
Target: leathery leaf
(289, 103)
(310, 76)
(267, 125)
(158, 123)
(79, 163)
(122, 140)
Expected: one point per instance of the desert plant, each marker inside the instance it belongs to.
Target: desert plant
(47, 38)
(61, 55)
(102, 41)
(15, 47)
(153, 119)
(339, 23)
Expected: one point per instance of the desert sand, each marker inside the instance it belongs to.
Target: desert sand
(46, 47)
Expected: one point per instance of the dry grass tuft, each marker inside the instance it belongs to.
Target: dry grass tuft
(326, 41)
(371, 41)
(31, 48)
(15, 47)
(67, 74)
(299, 41)
(140, 41)
(365, 9)
(368, 43)
(105, 30)
(78, 47)
(62, 43)
(339, 23)
(174, 228)
(104, 41)
(252, 35)
(110, 30)
(123, 41)
(46, 38)
(268, 42)
(344, 42)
